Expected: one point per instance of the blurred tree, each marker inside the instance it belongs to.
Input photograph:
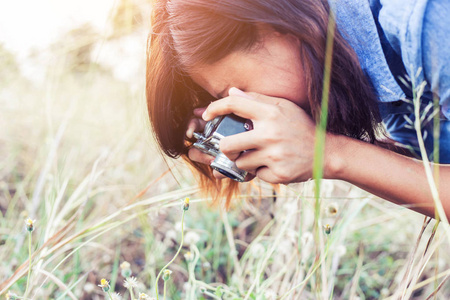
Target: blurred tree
(9, 68)
(75, 48)
(127, 17)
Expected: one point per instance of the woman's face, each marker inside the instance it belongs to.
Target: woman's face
(273, 68)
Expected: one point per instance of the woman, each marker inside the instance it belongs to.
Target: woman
(202, 50)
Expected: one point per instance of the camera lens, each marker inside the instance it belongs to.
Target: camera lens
(229, 175)
(228, 168)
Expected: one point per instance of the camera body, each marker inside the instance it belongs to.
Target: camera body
(208, 142)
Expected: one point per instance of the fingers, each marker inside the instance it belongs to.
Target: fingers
(199, 111)
(250, 161)
(244, 105)
(264, 173)
(255, 96)
(198, 156)
(232, 146)
(240, 106)
(195, 125)
(253, 162)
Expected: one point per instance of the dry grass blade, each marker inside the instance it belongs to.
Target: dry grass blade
(21, 271)
(439, 287)
(355, 279)
(406, 278)
(59, 283)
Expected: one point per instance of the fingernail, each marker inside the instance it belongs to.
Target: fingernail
(189, 133)
(204, 115)
(237, 92)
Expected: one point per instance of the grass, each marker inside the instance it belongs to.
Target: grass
(76, 155)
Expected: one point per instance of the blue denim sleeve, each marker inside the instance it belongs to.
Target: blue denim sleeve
(419, 31)
(436, 50)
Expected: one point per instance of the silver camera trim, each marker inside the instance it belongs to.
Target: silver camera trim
(209, 143)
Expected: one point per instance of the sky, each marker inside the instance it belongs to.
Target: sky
(27, 24)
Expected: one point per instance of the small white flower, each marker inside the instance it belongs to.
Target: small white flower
(187, 286)
(116, 296)
(270, 294)
(191, 237)
(189, 256)
(143, 296)
(341, 250)
(206, 265)
(130, 282)
(257, 250)
(170, 237)
(89, 287)
(177, 226)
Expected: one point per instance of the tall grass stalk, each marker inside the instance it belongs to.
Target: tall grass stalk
(233, 251)
(317, 263)
(417, 95)
(171, 261)
(262, 265)
(319, 148)
(29, 264)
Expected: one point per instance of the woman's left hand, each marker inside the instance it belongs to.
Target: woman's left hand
(280, 148)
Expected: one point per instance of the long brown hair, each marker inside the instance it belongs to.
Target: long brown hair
(186, 33)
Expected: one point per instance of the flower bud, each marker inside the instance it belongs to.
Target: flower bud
(104, 284)
(166, 274)
(327, 228)
(11, 296)
(29, 225)
(186, 204)
(125, 269)
(189, 256)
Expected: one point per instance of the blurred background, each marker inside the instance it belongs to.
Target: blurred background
(78, 157)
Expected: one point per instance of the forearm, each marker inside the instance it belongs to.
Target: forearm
(389, 175)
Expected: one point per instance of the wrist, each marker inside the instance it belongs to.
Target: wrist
(334, 160)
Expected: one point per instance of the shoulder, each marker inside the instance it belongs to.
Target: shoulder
(436, 50)
(406, 23)
(419, 31)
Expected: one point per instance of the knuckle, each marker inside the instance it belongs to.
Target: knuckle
(225, 145)
(273, 113)
(274, 156)
(277, 110)
(270, 138)
(240, 163)
(281, 176)
(229, 103)
(253, 95)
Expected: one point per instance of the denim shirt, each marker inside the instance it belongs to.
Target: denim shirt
(407, 39)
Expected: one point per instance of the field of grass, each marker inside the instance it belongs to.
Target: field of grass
(78, 158)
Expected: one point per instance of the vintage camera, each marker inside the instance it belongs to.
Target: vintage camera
(208, 143)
